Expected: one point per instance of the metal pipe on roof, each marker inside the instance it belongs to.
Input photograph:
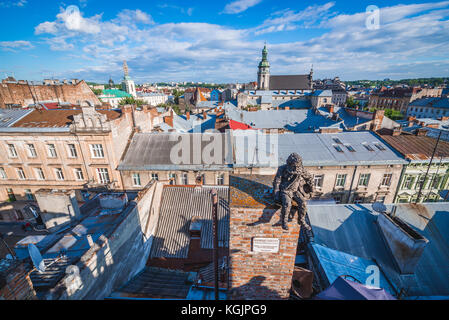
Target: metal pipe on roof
(215, 234)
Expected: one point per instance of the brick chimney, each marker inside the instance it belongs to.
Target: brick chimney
(169, 120)
(204, 115)
(287, 108)
(188, 115)
(378, 118)
(411, 119)
(421, 132)
(330, 108)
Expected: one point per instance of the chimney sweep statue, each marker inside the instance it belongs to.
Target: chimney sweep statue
(293, 182)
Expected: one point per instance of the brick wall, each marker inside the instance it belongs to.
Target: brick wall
(262, 276)
(15, 93)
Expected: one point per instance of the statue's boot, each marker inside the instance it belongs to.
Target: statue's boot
(284, 225)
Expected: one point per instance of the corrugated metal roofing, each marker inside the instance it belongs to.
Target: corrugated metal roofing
(417, 147)
(353, 229)
(321, 150)
(179, 205)
(151, 151)
(9, 117)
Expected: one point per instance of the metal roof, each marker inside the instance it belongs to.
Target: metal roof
(156, 283)
(318, 149)
(290, 82)
(353, 229)
(9, 117)
(441, 103)
(178, 206)
(152, 151)
(418, 147)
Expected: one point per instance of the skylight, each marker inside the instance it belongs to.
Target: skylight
(349, 147)
(338, 148)
(379, 146)
(368, 147)
(336, 140)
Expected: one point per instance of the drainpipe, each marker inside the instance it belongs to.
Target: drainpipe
(352, 183)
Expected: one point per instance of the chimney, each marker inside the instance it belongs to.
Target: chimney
(204, 115)
(378, 118)
(169, 120)
(411, 119)
(287, 108)
(330, 108)
(188, 115)
(421, 132)
(405, 244)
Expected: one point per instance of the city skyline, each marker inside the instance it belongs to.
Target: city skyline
(222, 42)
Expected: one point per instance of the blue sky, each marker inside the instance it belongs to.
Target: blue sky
(221, 41)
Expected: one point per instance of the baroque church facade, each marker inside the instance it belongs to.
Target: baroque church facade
(278, 91)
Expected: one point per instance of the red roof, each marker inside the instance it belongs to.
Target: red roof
(51, 105)
(235, 125)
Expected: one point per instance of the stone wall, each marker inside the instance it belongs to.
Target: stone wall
(262, 276)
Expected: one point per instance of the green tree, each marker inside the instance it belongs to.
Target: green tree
(97, 92)
(131, 100)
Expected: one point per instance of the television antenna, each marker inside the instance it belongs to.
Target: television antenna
(38, 261)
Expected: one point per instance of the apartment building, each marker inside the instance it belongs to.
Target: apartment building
(65, 149)
(348, 167)
(431, 178)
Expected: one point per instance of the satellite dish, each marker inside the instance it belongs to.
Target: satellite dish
(36, 257)
(379, 207)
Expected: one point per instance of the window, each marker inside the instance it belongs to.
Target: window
(12, 151)
(185, 179)
(408, 181)
(103, 175)
(436, 182)
(318, 181)
(79, 174)
(420, 182)
(97, 150)
(338, 198)
(155, 177)
(29, 195)
(220, 179)
(3, 174)
(136, 180)
(336, 140)
(341, 180)
(172, 178)
(364, 180)
(21, 174)
(349, 147)
(386, 181)
(379, 146)
(359, 199)
(72, 151)
(40, 174)
(52, 151)
(59, 174)
(31, 150)
(368, 147)
(338, 148)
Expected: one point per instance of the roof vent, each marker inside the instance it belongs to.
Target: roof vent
(405, 244)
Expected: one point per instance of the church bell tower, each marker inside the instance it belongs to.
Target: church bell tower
(263, 76)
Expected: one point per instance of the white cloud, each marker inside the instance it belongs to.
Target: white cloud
(287, 20)
(240, 6)
(13, 3)
(411, 38)
(13, 46)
